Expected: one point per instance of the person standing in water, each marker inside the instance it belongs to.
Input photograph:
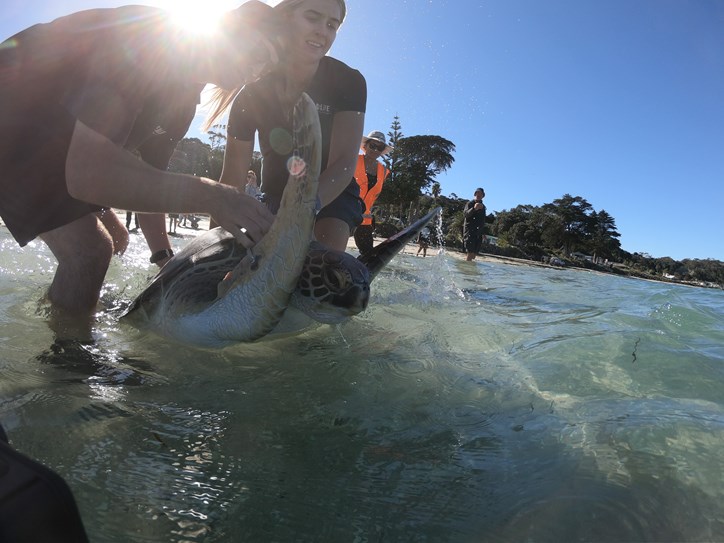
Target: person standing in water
(423, 241)
(474, 224)
(370, 175)
(79, 95)
(262, 108)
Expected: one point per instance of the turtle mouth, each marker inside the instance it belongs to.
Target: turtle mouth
(341, 306)
(354, 299)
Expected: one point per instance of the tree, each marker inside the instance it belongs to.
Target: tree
(570, 230)
(522, 226)
(191, 156)
(391, 160)
(603, 235)
(217, 136)
(414, 164)
(436, 190)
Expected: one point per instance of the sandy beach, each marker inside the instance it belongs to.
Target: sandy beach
(409, 249)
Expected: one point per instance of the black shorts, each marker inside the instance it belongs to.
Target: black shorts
(473, 240)
(348, 207)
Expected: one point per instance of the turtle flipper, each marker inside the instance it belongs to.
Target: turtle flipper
(385, 251)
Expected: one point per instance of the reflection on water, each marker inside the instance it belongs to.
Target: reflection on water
(470, 402)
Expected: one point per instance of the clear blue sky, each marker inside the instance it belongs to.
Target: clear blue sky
(618, 101)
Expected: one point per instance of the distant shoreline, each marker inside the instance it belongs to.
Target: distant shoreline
(411, 249)
(620, 270)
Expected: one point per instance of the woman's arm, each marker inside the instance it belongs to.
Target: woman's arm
(347, 128)
(153, 226)
(237, 159)
(100, 172)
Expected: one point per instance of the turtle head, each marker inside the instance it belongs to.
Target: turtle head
(333, 285)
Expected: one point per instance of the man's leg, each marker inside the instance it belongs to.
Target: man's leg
(83, 249)
(332, 232)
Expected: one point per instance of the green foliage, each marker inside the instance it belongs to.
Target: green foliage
(414, 164)
(567, 225)
(192, 156)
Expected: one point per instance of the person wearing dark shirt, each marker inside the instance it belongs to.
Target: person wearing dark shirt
(79, 96)
(262, 108)
(474, 224)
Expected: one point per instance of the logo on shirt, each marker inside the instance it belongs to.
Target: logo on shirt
(159, 130)
(324, 108)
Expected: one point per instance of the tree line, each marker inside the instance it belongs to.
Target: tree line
(566, 227)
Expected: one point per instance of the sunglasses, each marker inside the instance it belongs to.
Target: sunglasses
(374, 146)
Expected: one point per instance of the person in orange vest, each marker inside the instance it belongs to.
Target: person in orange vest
(370, 175)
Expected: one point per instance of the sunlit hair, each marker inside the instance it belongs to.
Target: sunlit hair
(231, 24)
(289, 5)
(220, 99)
(218, 102)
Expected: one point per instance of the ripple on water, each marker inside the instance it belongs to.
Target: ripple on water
(464, 405)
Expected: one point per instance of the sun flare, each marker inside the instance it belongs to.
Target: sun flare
(196, 16)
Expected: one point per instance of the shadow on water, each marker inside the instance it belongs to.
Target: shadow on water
(82, 361)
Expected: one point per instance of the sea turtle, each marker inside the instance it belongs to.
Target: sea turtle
(214, 292)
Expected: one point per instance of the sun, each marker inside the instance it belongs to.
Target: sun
(196, 16)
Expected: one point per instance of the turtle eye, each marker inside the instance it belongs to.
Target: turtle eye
(334, 278)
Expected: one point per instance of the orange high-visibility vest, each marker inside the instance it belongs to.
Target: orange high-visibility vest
(369, 195)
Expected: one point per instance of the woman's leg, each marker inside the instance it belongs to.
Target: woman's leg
(332, 232)
(83, 249)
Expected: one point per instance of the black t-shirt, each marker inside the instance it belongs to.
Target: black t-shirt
(474, 218)
(80, 67)
(335, 88)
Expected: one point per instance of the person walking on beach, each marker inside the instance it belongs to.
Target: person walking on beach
(79, 95)
(474, 224)
(340, 92)
(370, 175)
(423, 241)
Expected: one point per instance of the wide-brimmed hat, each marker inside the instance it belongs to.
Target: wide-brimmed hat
(379, 137)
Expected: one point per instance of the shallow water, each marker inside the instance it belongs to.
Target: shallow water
(470, 402)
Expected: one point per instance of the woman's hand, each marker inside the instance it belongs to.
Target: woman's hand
(246, 218)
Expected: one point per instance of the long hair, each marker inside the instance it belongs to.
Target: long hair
(220, 99)
(218, 102)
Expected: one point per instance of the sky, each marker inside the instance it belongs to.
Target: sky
(620, 102)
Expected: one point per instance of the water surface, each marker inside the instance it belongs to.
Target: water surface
(470, 402)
